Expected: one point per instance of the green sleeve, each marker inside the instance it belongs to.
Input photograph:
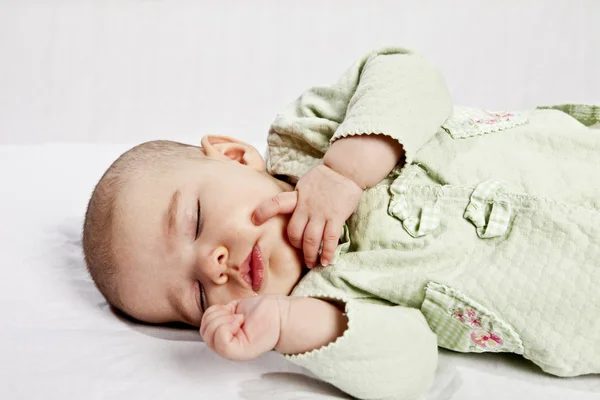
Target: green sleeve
(393, 91)
(387, 352)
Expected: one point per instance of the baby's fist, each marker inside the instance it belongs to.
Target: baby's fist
(243, 329)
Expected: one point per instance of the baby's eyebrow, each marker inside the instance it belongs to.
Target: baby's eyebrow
(171, 215)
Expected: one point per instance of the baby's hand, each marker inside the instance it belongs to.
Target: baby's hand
(244, 329)
(322, 202)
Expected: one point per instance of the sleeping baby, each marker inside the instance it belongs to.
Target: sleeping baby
(382, 223)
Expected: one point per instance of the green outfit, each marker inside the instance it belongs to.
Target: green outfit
(489, 236)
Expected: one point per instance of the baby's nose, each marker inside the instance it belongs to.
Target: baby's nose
(221, 256)
(214, 265)
(218, 260)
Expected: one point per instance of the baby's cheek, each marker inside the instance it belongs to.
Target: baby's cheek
(281, 223)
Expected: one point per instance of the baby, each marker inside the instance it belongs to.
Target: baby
(384, 222)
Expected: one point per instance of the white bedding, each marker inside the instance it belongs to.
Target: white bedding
(60, 340)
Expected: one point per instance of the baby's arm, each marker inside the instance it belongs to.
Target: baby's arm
(329, 193)
(244, 329)
(365, 159)
(380, 112)
(370, 351)
(310, 324)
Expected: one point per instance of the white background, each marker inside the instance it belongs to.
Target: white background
(131, 70)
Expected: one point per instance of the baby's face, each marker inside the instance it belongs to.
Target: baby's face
(185, 240)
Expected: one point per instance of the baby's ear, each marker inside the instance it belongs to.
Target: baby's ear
(226, 148)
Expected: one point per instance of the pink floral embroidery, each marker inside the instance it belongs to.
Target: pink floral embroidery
(498, 116)
(475, 323)
(459, 315)
(468, 316)
(482, 337)
(485, 339)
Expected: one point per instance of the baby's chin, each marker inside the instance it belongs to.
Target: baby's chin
(295, 265)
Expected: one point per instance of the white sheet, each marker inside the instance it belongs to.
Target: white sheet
(59, 340)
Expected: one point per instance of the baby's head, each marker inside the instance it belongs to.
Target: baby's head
(150, 255)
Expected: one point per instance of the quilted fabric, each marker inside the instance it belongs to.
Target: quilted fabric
(587, 114)
(506, 218)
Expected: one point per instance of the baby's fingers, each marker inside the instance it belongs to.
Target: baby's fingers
(228, 324)
(212, 313)
(282, 203)
(227, 341)
(313, 235)
(296, 228)
(331, 237)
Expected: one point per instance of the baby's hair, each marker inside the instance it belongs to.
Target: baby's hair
(99, 225)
